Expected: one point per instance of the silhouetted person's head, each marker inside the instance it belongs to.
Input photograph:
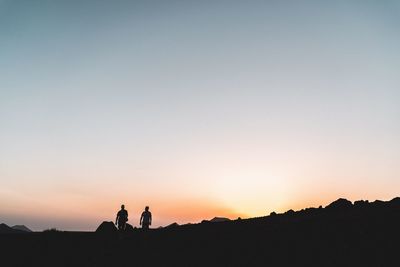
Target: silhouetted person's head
(147, 208)
(122, 206)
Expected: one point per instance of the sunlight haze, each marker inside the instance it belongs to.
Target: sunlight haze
(195, 108)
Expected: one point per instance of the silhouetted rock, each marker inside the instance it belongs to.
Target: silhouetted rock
(290, 212)
(106, 228)
(129, 228)
(340, 204)
(395, 201)
(219, 219)
(309, 211)
(361, 204)
(378, 203)
(272, 213)
(172, 225)
(22, 228)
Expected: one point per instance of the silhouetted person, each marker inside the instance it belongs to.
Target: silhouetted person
(122, 218)
(145, 219)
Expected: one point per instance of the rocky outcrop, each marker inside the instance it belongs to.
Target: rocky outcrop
(220, 219)
(340, 204)
(107, 228)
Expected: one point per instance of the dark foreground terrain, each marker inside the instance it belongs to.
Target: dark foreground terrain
(342, 234)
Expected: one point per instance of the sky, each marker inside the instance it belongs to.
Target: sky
(195, 108)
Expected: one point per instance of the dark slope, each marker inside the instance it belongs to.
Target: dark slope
(21, 228)
(363, 234)
(5, 229)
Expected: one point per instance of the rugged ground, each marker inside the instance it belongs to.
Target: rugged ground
(342, 234)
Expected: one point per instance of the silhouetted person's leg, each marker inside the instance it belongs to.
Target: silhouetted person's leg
(121, 225)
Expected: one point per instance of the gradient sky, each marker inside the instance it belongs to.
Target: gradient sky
(196, 108)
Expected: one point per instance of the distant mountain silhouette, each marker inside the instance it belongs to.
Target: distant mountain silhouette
(21, 228)
(5, 229)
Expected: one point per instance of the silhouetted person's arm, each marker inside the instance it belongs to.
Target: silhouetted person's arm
(141, 219)
(116, 219)
(150, 219)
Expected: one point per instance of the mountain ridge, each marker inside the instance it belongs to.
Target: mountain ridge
(5, 229)
(359, 233)
(21, 227)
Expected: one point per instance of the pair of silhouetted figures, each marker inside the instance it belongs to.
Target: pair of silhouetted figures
(122, 218)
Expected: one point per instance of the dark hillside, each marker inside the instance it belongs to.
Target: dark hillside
(5, 229)
(21, 228)
(363, 234)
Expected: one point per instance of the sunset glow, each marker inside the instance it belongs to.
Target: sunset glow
(197, 110)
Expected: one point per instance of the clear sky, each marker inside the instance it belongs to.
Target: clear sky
(195, 108)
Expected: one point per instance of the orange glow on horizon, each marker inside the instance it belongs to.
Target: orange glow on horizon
(76, 215)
